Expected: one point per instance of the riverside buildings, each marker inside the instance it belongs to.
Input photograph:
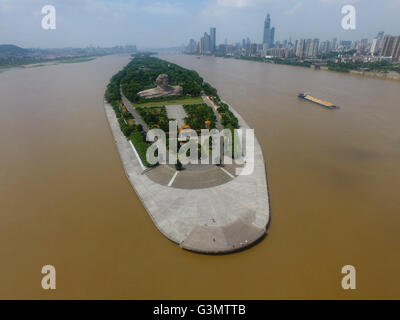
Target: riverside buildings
(391, 47)
(206, 45)
(381, 48)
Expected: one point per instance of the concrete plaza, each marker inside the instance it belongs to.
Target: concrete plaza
(209, 210)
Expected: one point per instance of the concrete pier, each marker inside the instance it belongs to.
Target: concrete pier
(213, 211)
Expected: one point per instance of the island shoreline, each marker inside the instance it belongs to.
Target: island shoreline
(367, 74)
(126, 152)
(209, 210)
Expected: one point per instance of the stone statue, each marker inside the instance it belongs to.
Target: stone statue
(162, 81)
(163, 89)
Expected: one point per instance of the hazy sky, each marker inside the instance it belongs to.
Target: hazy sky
(166, 23)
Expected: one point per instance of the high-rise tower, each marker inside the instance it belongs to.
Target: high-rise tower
(213, 35)
(269, 33)
(391, 47)
(267, 30)
(272, 38)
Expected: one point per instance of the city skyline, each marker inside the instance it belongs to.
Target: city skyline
(382, 47)
(108, 23)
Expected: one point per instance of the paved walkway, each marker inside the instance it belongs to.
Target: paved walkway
(134, 113)
(218, 219)
(204, 176)
(210, 103)
(176, 112)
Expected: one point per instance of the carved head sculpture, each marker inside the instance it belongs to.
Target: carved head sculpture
(162, 81)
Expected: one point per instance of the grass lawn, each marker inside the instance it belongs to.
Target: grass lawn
(196, 100)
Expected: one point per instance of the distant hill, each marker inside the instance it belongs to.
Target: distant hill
(9, 49)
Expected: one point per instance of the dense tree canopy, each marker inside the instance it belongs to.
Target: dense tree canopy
(198, 114)
(141, 74)
(155, 117)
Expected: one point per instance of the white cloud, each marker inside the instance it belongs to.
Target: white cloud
(235, 3)
(134, 6)
(293, 10)
(338, 1)
(241, 3)
(163, 8)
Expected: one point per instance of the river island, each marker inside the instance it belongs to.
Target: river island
(206, 208)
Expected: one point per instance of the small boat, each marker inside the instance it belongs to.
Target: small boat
(326, 104)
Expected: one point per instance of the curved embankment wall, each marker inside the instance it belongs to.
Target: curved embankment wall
(221, 219)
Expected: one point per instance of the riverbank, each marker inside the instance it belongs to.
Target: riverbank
(395, 76)
(47, 63)
(379, 75)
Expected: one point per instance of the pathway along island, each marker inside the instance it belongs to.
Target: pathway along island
(204, 208)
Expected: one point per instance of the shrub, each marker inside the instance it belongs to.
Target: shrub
(178, 165)
(141, 145)
(198, 114)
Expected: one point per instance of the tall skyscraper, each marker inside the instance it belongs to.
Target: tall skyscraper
(377, 44)
(374, 47)
(192, 47)
(267, 30)
(269, 34)
(380, 35)
(205, 43)
(213, 36)
(346, 44)
(313, 47)
(334, 44)
(300, 48)
(387, 47)
(396, 51)
(306, 49)
(363, 44)
(324, 46)
(391, 47)
(201, 45)
(272, 37)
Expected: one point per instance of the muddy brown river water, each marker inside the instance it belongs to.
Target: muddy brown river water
(333, 177)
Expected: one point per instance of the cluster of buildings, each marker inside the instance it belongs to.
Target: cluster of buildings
(206, 45)
(14, 55)
(389, 47)
(382, 47)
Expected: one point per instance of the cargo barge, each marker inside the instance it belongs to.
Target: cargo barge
(320, 102)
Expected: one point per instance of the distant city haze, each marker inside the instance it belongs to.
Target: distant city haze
(170, 23)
